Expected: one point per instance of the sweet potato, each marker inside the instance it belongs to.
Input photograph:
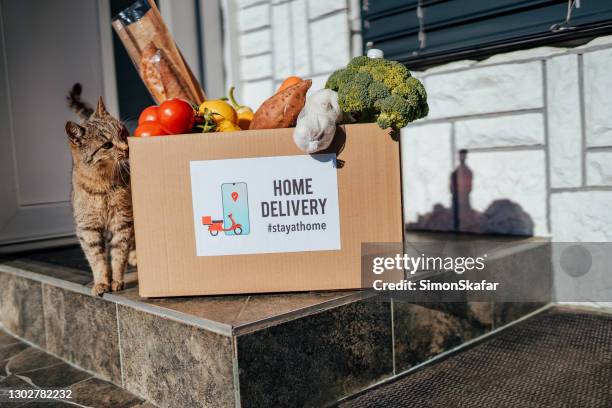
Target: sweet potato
(281, 109)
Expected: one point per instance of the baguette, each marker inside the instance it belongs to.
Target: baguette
(160, 77)
(155, 55)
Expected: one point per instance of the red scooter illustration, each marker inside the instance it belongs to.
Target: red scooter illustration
(214, 226)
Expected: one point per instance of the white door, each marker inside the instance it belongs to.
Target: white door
(46, 47)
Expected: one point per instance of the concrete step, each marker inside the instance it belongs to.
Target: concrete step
(300, 349)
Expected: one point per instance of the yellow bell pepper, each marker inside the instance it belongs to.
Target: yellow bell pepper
(220, 110)
(245, 114)
(227, 126)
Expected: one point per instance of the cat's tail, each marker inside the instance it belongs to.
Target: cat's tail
(80, 108)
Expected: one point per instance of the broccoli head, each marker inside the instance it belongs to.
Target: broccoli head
(391, 73)
(395, 112)
(354, 95)
(337, 78)
(359, 61)
(377, 90)
(381, 90)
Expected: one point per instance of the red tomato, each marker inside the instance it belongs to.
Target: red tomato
(176, 115)
(150, 128)
(149, 114)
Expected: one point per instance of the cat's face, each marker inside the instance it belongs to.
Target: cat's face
(101, 143)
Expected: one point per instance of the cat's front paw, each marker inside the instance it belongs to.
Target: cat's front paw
(100, 288)
(116, 286)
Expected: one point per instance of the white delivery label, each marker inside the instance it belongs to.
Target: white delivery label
(265, 205)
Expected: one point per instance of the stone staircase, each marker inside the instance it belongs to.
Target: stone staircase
(276, 350)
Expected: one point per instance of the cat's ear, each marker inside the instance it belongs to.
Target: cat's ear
(75, 133)
(101, 108)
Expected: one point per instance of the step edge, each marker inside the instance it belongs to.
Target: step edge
(179, 317)
(246, 328)
(49, 280)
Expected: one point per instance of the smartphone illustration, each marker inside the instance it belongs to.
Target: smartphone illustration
(235, 198)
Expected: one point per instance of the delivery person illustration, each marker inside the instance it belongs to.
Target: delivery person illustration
(235, 220)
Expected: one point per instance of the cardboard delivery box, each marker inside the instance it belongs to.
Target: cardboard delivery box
(248, 212)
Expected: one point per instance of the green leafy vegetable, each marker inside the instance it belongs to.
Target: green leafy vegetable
(375, 89)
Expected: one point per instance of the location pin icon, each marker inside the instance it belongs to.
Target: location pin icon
(234, 196)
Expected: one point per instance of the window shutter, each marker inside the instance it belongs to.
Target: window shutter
(456, 29)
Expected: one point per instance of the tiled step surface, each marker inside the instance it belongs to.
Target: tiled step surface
(23, 368)
(302, 349)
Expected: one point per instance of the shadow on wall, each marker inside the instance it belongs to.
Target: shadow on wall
(502, 216)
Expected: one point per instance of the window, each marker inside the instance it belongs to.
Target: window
(430, 32)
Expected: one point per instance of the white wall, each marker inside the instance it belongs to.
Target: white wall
(269, 40)
(538, 127)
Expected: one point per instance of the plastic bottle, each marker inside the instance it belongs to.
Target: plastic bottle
(375, 53)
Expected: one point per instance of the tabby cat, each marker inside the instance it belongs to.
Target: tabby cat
(101, 196)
